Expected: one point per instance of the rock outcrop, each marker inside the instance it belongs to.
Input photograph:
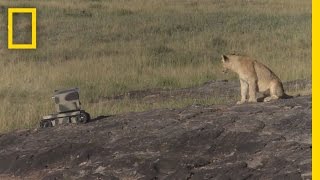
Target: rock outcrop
(249, 141)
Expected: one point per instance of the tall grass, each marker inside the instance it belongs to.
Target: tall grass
(111, 47)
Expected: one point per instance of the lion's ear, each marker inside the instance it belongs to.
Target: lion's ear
(224, 58)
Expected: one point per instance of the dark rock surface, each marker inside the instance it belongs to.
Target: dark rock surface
(249, 141)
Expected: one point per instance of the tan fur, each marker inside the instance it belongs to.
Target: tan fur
(254, 77)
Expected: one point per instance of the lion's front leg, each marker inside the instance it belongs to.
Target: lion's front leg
(252, 90)
(244, 91)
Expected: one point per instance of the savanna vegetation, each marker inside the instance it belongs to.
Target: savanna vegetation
(109, 47)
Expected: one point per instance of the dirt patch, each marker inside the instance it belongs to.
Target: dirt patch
(214, 88)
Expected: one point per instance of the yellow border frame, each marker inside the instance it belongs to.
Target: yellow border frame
(315, 89)
(33, 12)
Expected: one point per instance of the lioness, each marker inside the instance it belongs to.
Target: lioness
(254, 77)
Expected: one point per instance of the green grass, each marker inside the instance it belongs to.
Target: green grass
(111, 47)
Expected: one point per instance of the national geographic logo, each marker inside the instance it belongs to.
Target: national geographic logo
(23, 11)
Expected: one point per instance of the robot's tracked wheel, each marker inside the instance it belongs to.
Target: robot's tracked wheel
(84, 117)
(45, 123)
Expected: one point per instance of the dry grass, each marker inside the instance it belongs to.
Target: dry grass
(111, 47)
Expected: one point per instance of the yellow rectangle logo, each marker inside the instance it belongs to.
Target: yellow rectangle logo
(33, 12)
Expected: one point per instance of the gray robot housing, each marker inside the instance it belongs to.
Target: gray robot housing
(68, 109)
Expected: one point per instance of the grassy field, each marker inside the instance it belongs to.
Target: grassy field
(108, 47)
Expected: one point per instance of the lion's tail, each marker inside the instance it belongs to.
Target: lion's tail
(286, 96)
